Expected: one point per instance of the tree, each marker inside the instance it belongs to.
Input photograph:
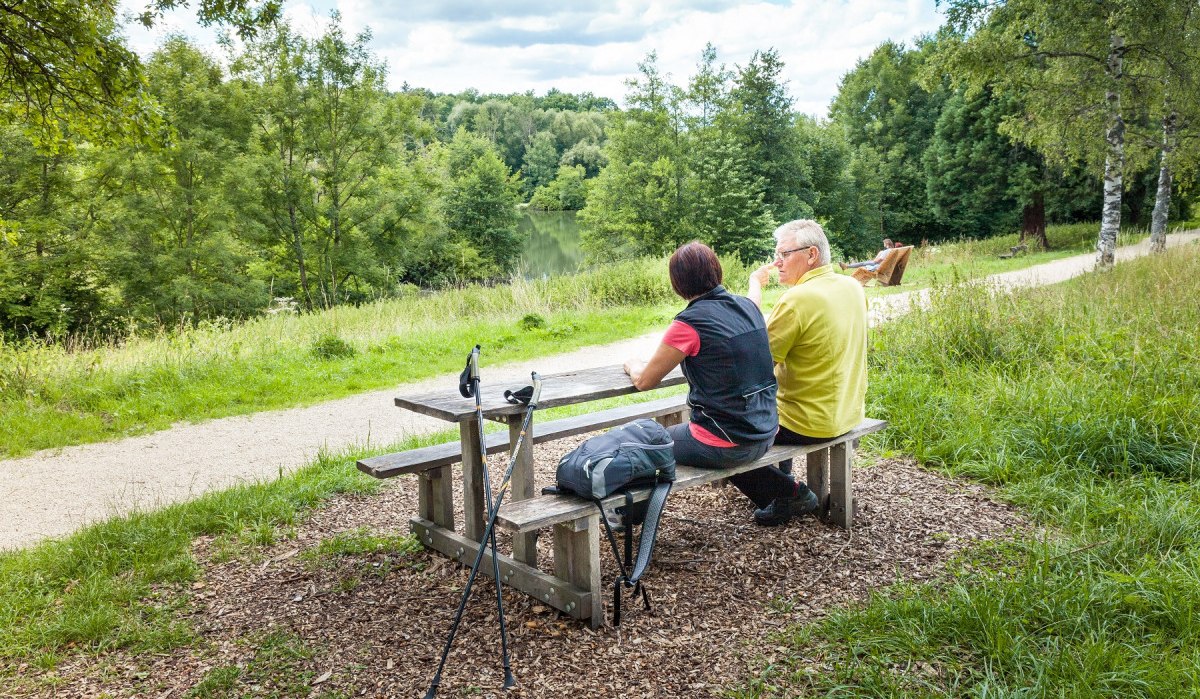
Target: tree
(272, 68)
(636, 205)
(724, 197)
(67, 62)
(541, 162)
(352, 133)
(889, 120)
(173, 251)
(480, 204)
(47, 285)
(1081, 68)
(760, 122)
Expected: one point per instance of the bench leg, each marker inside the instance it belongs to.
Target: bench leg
(472, 468)
(524, 545)
(435, 498)
(818, 480)
(841, 495)
(577, 560)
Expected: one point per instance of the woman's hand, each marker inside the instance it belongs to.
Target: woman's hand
(647, 375)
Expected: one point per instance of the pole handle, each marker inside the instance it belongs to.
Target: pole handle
(537, 389)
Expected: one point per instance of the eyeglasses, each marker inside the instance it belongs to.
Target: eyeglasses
(781, 256)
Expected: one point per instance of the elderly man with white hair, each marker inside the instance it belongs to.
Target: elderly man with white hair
(818, 336)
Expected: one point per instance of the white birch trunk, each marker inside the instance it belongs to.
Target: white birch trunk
(1114, 162)
(1162, 200)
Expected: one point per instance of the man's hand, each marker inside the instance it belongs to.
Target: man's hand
(759, 278)
(762, 275)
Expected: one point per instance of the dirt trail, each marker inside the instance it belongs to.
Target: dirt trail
(56, 491)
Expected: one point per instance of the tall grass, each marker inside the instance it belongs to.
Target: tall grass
(54, 395)
(1080, 402)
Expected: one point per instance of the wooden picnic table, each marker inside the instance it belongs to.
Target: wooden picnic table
(571, 581)
(438, 512)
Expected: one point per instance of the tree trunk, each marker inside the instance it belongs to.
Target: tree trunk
(1114, 163)
(1162, 200)
(1033, 221)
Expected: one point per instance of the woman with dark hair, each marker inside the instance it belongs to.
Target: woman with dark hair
(721, 342)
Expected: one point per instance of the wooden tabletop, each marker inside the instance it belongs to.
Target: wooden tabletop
(566, 388)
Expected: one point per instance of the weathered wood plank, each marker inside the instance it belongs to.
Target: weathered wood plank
(817, 463)
(426, 458)
(545, 510)
(841, 494)
(554, 591)
(525, 544)
(566, 388)
(474, 507)
(577, 559)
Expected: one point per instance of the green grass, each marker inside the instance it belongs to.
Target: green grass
(125, 583)
(54, 395)
(1079, 401)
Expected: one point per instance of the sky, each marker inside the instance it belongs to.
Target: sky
(592, 45)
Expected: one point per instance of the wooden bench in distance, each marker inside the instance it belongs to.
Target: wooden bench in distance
(890, 271)
(1014, 251)
(576, 523)
(426, 458)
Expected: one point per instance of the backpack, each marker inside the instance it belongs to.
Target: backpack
(635, 455)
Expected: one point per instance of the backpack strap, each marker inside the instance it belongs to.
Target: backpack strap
(654, 510)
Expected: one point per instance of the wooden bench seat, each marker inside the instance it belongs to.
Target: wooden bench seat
(1014, 251)
(546, 510)
(573, 583)
(437, 455)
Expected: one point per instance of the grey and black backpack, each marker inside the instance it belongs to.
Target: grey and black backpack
(634, 456)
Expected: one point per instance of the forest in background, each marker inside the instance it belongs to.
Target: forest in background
(285, 176)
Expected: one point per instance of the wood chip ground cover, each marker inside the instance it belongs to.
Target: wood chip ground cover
(370, 619)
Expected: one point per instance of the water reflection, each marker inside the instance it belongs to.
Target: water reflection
(551, 243)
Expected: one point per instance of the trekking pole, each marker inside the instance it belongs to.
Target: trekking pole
(488, 534)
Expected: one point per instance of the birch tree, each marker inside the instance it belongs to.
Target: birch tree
(1081, 66)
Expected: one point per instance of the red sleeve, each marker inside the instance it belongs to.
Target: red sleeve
(683, 337)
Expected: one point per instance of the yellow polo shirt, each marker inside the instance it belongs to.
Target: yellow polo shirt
(818, 336)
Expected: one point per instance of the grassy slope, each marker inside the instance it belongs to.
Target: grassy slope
(119, 584)
(1080, 402)
(53, 397)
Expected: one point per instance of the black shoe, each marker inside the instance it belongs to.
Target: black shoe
(782, 509)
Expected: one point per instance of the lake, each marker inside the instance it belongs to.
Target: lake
(551, 244)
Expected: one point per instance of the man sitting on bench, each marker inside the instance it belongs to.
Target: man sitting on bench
(818, 337)
(872, 265)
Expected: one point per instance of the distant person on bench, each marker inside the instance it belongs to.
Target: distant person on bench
(818, 336)
(720, 340)
(872, 265)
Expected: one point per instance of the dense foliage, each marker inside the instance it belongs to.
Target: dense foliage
(141, 195)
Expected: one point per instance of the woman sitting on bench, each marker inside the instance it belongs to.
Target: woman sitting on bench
(720, 340)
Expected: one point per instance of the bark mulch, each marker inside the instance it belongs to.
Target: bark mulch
(374, 624)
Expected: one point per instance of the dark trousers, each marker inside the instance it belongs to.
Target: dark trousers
(762, 485)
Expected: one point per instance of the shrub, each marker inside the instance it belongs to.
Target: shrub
(330, 346)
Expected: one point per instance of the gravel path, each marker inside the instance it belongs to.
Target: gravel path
(56, 491)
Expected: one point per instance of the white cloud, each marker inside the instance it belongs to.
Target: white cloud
(595, 46)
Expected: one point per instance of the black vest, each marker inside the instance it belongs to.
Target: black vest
(732, 378)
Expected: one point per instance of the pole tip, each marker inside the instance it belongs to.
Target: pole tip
(509, 680)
